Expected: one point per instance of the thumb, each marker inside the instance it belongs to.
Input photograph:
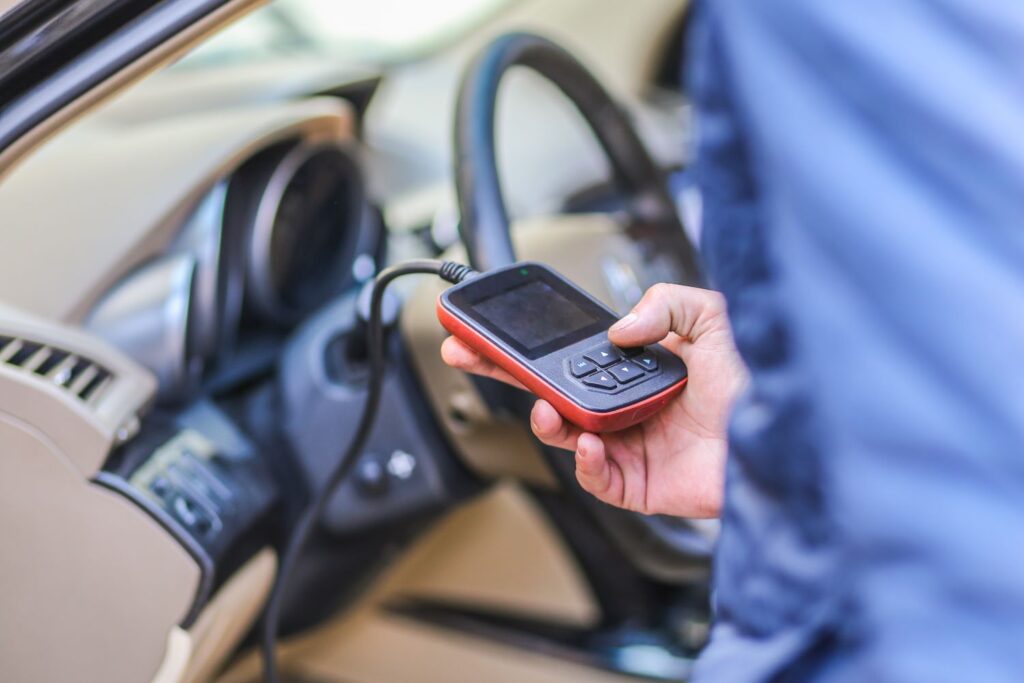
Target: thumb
(686, 311)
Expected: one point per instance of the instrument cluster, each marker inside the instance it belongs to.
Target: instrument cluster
(267, 245)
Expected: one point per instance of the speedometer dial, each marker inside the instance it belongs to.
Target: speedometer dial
(304, 232)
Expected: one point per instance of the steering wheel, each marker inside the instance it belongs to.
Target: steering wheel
(661, 547)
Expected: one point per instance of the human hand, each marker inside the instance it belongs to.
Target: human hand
(674, 462)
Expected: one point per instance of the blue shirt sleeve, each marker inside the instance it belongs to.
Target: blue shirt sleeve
(885, 141)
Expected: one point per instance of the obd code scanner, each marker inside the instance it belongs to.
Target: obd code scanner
(553, 337)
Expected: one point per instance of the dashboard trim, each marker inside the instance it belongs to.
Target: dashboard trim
(202, 237)
(204, 589)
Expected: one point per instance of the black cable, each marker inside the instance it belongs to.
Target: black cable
(447, 270)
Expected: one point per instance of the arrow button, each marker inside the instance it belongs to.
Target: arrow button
(626, 372)
(646, 361)
(604, 355)
(601, 380)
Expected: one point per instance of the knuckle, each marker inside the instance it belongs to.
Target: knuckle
(584, 480)
(664, 298)
(590, 483)
(604, 489)
(661, 292)
(660, 306)
(715, 302)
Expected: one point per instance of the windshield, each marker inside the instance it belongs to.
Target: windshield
(354, 31)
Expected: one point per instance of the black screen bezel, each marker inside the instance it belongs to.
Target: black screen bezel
(468, 295)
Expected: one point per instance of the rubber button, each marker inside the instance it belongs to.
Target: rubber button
(581, 366)
(626, 372)
(604, 355)
(647, 361)
(601, 380)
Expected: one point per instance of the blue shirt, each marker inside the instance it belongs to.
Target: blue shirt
(862, 172)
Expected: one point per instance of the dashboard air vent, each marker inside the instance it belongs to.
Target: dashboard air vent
(82, 377)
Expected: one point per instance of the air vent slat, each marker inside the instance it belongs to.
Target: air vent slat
(61, 373)
(82, 377)
(53, 359)
(28, 350)
(36, 359)
(76, 371)
(10, 350)
(82, 380)
(94, 389)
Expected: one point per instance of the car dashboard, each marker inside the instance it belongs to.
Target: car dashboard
(151, 303)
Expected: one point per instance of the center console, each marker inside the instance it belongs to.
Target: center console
(205, 482)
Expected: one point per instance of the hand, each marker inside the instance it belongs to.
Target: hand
(674, 462)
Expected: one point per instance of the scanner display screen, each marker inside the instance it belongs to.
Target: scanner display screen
(534, 314)
(538, 317)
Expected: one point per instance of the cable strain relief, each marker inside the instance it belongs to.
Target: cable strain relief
(455, 272)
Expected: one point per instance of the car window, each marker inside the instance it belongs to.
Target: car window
(355, 31)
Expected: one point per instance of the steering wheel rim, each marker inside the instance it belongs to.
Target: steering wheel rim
(663, 548)
(484, 222)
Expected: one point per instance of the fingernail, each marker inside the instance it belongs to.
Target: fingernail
(625, 322)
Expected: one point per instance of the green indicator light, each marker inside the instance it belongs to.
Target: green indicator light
(524, 271)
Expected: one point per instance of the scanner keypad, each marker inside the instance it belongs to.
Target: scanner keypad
(610, 368)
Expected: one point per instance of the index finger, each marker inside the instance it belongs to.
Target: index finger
(459, 356)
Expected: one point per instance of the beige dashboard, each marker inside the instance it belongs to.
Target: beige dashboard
(82, 566)
(86, 571)
(85, 205)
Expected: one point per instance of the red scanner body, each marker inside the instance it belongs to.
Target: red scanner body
(552, 336)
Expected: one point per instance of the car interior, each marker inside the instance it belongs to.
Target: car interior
(190, 239)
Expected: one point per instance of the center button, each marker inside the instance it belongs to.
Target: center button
(626, 372)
